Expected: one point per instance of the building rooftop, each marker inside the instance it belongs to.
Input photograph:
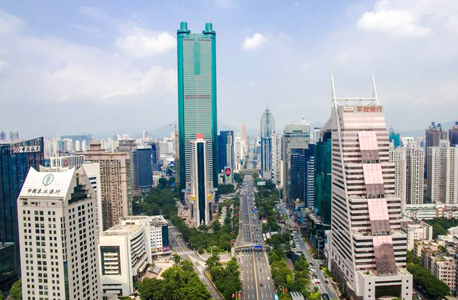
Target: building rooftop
(158, 220)
(119, 230)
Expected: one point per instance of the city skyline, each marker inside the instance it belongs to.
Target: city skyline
(123, 56)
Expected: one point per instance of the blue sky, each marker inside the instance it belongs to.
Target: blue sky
(69, 67)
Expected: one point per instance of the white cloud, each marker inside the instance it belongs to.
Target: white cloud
(9, 23)
(394, 22)
(145, 44)
(253, 42)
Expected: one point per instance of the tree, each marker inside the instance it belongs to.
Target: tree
(176, 259)
(16, 290)
(151, 289)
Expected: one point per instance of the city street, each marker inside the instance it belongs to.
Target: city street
(323, 288)
(253, 261)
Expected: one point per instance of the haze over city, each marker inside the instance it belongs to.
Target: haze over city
(113, 64)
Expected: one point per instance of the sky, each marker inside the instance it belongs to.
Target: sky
(108, 66)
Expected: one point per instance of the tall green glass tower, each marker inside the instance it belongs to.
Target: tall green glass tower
(197, 111)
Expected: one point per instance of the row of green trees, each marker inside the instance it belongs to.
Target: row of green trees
(421, 276)
(226, 276)
(216, 238)
(179, 282)
(266, 200)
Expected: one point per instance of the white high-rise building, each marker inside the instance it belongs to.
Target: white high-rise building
(367, 252)
(442, 173)
(77, 146)
(125, 252)
(398, 158)
(144, 135)
(84, 146)
(276, 158)
(201, 192)
(415, 157)
(267, 131)
(58, 236)
(239, 153)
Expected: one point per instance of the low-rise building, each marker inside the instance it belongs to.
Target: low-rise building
(432, 210)
(416, 230)
(125, 252)
(159, 229)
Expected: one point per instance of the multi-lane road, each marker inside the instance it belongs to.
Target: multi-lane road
(253, 261)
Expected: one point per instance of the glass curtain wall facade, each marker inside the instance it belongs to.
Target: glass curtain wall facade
(323, 182)
(145, 172)
(225, 150)
(197, 105)
(15, 161)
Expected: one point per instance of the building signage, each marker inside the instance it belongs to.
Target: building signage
(25, 149)
(348, 109)
(371, 109)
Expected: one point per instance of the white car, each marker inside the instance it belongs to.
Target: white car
(316, 281)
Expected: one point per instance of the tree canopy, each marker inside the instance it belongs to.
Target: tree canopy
(180, 283)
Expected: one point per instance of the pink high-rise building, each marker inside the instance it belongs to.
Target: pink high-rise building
(367, 252)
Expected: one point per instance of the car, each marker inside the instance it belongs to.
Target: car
(326, 281)
(261, 285)
(316, 281)
(325, 296)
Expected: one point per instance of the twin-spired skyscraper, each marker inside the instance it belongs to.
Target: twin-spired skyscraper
(197, 110)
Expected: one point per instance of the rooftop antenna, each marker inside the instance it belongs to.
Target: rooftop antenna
(374, 88)
(333, 95)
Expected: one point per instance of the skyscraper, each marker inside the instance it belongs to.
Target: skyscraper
(415, 157)
(276, 154)
(453, 135)
(201, 194)
(58, 213)
(16, 158)
(442, 173)
(244, 134)
(197, 106)
(434, 134)
(367, 249)
(295, 136)
(399, 159)
(267, 130)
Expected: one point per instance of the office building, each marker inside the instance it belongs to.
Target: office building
(2, 136)
(125, 252)
(200, 196)
(239, 153)
(429, 211)
(226, 152)
(116, 183)
(58, 241)
(295, 136)
(367, 252)
(160, 243)
(16, 158)
(197, 105)
(267, 130)
(145, 167)
(70, 161)
(442, 173)
(453, 135)
(156, 156)
(301, 177)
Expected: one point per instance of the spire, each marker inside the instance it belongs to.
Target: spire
(374, 88)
